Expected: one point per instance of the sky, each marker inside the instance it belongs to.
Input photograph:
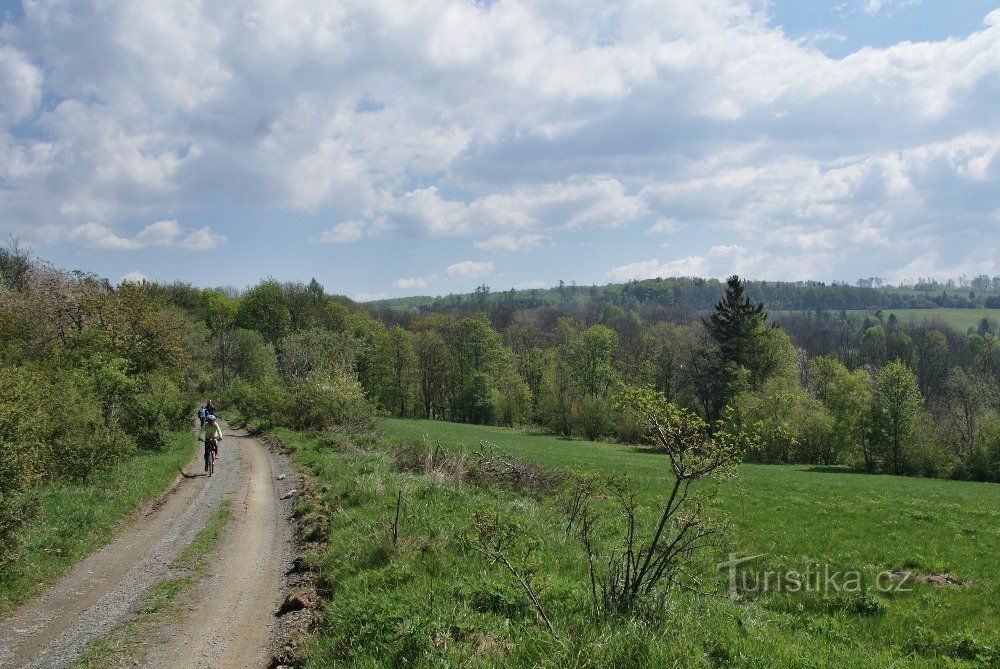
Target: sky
(390, 147)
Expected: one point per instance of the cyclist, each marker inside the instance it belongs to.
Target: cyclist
(213, 435)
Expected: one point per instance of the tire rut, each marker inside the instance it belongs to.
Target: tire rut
(103, 589)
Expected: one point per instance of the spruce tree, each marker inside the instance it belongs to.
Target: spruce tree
(736, 324)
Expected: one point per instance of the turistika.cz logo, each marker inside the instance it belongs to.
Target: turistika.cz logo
(816, 578)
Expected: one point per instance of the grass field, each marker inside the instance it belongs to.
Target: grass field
(74, 520)
(800, 518)
(959, 319)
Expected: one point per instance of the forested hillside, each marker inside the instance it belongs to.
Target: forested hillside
(832, 388)
(650, 297)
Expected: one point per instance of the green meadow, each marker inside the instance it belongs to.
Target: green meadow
(959, 319)
(429, 598)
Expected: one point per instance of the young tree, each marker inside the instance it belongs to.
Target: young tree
(737, 324)
(402, 360)
(895, 408)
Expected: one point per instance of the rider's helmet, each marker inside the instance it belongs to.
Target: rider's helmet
(211, 419)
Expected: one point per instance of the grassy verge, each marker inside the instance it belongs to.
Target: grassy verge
(75, 520)
(826, 518)
(429, 598)
(126, 643)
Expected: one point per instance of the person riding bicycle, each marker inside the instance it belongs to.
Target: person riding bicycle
(212, 436)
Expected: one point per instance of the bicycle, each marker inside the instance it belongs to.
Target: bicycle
(211, 450)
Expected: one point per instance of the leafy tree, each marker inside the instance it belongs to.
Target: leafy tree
(264, 308)
(895, 408)
(316, 351)
(932, 362)
(251, 357)
(435, 372)
(559, 397)
(848, 397)
(589, 356)
(402, 360)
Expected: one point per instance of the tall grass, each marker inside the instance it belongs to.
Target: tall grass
(73, 520)
(429, 598)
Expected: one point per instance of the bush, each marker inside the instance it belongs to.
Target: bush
(158, 408)
(268, 400)
(325, 401)
(23, 427)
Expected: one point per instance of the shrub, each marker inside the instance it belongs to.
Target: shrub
(23, 427)
(325, 401)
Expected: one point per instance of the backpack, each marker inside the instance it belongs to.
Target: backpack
(202, 412)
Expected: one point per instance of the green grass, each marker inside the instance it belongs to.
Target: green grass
(126, 643)
(959, 319)
(73, 521)
(797, 516)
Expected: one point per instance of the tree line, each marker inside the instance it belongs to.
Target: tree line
(822, 388)
(90, 374)
(652, 298)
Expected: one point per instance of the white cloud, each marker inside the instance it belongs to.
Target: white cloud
(460, 271)
(20, 86)
(161, 234)
(468, 269)
(348, 231)
(135, 276)
(203, 239)
(510, 242)
(100, 236)
(370, 297)
(497, 124)
(651, 269)
(416, 282)
(874, 7)
(727, 251)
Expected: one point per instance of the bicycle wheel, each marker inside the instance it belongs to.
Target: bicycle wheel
(209, 461)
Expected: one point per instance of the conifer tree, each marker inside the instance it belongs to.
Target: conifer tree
(737, 324)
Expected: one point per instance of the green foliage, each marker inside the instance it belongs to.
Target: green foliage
(268, 400)
(316, 351)
(71, 520)
(241, 354)
(895, 410)
(24, 427)
(326, 401)
(737, 324)
(264, 308)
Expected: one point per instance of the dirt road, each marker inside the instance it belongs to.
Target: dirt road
(242, 588)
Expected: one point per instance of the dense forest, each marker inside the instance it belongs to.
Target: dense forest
(653, 297)
(92, 371)
(821, 387)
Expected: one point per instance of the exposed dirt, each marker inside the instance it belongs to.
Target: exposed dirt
(939, 579)
(231, 623)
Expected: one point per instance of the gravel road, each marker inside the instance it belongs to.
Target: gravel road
(243, 586)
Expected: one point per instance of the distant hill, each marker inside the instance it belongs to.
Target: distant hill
(696, 294)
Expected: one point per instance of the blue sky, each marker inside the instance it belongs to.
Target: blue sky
(391, 148)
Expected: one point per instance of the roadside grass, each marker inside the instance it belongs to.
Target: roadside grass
(126, 643)
(73, 521)
(430, 599)
(802, 519)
